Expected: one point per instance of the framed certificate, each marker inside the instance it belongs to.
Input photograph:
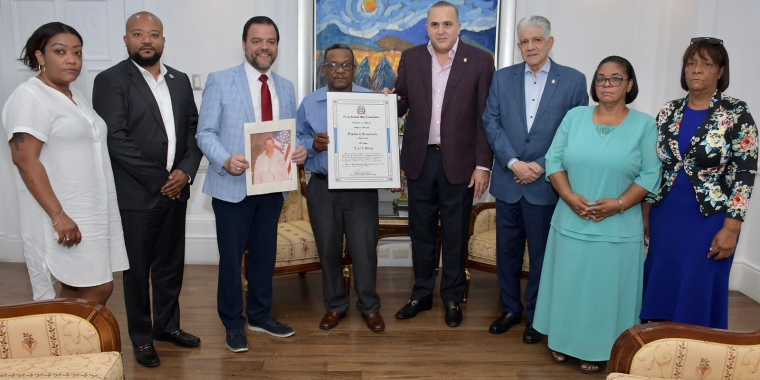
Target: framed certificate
(363, 149)
(268, 149)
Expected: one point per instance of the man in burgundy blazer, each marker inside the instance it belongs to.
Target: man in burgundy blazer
(445, 154)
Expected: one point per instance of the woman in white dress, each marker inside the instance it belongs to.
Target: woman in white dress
(70, 222)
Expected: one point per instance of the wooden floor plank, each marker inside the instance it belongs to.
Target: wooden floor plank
(421, 348)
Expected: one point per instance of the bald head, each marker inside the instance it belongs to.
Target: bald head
(144, 15)
(145, 40)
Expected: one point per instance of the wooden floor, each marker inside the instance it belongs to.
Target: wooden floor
(421, 348)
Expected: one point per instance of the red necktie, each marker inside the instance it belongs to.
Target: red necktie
(266, 99)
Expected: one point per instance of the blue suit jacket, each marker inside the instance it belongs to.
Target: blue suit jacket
(507, 129)
(226, 106)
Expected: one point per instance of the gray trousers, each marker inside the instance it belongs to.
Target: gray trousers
(354, 211)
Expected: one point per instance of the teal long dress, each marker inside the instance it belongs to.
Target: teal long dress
(592, 278)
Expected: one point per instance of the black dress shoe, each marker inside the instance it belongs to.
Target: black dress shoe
(503, 323)
(413, 307)
(531, 335)
(147, 356)
(180, 338)
(453, 314)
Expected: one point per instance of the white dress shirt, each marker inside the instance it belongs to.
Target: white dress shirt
(254, 84)
(160, 91)
(534, 88)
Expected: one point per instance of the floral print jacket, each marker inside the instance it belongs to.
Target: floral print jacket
(721, 160)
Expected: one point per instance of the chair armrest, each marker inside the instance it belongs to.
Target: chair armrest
(632, 340)
(96, 314)
(483, 218)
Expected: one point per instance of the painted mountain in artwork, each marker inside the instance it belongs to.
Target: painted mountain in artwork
(362, 74)
(400, 40)
(384, 76)
(332, 34)
(417, 35)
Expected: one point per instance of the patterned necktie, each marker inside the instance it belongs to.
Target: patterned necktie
(266, 99)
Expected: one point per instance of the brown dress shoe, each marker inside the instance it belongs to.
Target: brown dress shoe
(375, 322)
(330, 320)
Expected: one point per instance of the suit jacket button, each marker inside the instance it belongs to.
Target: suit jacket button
(164, 144)
(527, 141)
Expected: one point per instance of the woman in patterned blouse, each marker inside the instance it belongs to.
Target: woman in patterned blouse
(708, 145)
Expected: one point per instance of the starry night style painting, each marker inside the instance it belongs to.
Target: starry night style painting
(379, 30)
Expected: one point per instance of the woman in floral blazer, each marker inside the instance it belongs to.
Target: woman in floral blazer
(707, 142)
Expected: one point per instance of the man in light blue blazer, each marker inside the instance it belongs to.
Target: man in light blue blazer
(245, 94)
(526, 104)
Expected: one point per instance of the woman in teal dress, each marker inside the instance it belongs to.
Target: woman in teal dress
(602, 163)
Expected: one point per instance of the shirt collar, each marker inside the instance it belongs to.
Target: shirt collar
(253, 73)
(452, 52)
(321, 94)
(545, 68)
(161, 68)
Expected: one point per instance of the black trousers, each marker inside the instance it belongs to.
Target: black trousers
(432, 196)
(356, 212)
(155, 241)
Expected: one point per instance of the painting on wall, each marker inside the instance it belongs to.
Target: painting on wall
(379, 30)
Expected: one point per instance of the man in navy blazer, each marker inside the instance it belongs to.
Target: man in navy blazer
(445, 154)
(233, 97)
(525, 106)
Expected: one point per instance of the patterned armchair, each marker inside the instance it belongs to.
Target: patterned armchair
(481, 250)
(59, 339)
(668, 350)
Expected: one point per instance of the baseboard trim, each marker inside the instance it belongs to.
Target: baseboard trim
(744, 278)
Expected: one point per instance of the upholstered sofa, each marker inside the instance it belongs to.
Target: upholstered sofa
(59, 339)
(481, 249)
(669, 350)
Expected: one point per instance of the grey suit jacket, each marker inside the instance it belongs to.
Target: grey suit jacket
(507, 129)
(226, 106)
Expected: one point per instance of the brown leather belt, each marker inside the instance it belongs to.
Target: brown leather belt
(435, 146)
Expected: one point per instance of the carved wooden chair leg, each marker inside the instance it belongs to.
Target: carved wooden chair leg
(347, 278)
(467, 275)
(245, 272)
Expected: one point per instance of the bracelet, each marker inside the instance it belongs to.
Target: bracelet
(622, 209)
(59, 218)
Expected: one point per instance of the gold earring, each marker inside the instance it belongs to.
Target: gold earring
(41, 68)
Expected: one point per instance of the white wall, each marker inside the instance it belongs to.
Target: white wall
(652, 34)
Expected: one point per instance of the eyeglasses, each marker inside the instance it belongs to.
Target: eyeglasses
(332, 66)
(710, 40)
(614, 81)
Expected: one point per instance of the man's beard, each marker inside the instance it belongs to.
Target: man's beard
(146, 61)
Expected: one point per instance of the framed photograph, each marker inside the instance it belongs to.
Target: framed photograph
(378, 31)
(268, 148)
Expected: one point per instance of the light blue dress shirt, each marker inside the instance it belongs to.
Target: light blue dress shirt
(534, 88)
(311, 119)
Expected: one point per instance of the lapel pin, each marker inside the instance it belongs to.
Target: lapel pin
(465, 59)
(554, 81)
(172, 76)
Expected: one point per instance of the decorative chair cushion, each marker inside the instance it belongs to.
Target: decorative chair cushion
(104, 365)
(295, 243)
(624, 376)
(44, 335)
(485, 221)
(482, 247)
(696, 359)
(294, 208)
